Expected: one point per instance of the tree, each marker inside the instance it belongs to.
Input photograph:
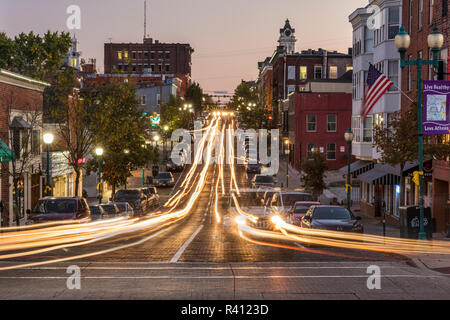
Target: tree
(313, 174)
(252, 112)
(35, 56)
(397, 142)
(74, 116)
(194, 96)
(119, 127)
(173, 114)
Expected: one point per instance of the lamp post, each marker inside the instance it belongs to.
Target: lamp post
(166, 129)
(48, 140)
(286, 152)
(99, 153)
(435, 42)
(349, 139)
(127, 152)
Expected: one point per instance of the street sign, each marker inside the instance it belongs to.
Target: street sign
(436, 115)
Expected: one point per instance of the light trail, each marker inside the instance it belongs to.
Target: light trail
(59, 237)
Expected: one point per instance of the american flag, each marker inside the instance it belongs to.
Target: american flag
(377, 84)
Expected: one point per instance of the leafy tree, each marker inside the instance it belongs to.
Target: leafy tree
(313, 174)
(194, 95)
(73, 116)
(252, 113)
(397, 142)
(33, 55)
(120, 127)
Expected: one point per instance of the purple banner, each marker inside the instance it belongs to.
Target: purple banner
(436, 116)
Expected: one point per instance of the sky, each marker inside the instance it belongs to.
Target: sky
(229, 36)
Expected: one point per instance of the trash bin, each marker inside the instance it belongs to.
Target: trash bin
(410, 222)
(155, 170)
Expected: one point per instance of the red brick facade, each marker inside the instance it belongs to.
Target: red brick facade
(321, 105)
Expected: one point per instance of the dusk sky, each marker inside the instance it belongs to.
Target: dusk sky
(229, 37)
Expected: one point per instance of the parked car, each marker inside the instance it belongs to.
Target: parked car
(154, 192)
(152, 201)
(98, 213)
(293, 196)
(175, 166)
(263, 181)
(56, 209)
(125, 209)
(332, 218)
(299, 210)
(135, 197)
(164, 179)
(111, 209)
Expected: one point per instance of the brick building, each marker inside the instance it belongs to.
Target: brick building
(320, 117)
(419, 18)
(21, 102)
(149, 57)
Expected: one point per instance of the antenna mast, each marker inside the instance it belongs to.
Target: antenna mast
(145, 19)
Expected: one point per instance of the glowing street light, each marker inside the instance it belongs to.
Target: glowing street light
(48, 140)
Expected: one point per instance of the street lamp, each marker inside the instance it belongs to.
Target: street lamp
(48, 140)
(348, 136)
(286, 152)
(435, 42)
(166, 129)
(99, 153)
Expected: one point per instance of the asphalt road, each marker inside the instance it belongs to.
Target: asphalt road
(199, 258)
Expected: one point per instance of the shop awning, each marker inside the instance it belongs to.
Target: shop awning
(5, 152)
(358, 167)
(376, 176)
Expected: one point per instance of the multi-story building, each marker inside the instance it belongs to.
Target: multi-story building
(374, 32)
(21, 104)
(319, 117)
(419, 18)
(148, 57)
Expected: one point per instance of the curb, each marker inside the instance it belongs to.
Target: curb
(422, 266)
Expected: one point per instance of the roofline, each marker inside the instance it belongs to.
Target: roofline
(20, 77)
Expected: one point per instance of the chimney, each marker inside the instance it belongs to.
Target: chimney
(156, 41)
(148, 41)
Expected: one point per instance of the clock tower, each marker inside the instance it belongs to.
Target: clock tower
(287, 38)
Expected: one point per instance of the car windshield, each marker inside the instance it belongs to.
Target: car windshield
(109, 208)
(122, 206)
(127, 194)
(289, 199)
(301, 209)
(331, 213)
(55, 206)
(95, 210)
(264, 179)
(164, 175)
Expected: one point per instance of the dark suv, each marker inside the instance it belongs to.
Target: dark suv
(135, 197)
(57, 209)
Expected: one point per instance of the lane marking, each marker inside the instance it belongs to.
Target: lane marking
(230, 277)
(180, 251)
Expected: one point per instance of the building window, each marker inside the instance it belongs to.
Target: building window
(119, 55)
(144, 100)
(152, 67)
(291, 72)
(394, 22)
(331, 123)
(317, 72)
(160, 55)
(309, 153)
(134, 68)
(160, 67)
(410, 16)
(331, 151)
(393, 74)
(167, 54)
(303, 72)
(378, 120)
(356, 125)
(158, 99)
(146, 55)
(134, 55)
(36, 142)
(368, 40)
(311, 123)
(167, 67)
(333, 72)
(291, 89)
(152, 55)
(368, 129)
(348, 68)
(420, 14)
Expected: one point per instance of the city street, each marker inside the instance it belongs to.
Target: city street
(193, 256)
